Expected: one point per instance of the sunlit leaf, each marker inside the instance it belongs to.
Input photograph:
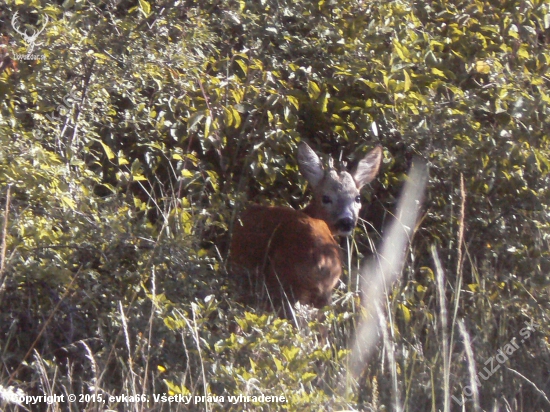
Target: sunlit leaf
(243, 66)
(313, 90)
(294, 101)
(482, 67)
(145, 7)
(407, 81)
(110, 154)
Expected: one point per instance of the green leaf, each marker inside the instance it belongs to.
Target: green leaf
(207, 125)
(145, 7)
(243, 66)
(228, 114)
(121, 159)
(482, 67)
(401, 51)
(236, 118)
(308, 377)
(101, 56)
(313, 90)
(523, 52)
(278, 364)
(323, 101)
(407, 81)
(438, 72)
(294, 101)
(406, 312)
(67, 202)
(108, 151)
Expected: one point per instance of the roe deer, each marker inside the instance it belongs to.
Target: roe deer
(294, 252)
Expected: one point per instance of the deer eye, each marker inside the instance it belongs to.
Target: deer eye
(358, 199)
(326, 200)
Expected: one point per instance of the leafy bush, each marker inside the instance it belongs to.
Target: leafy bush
(129, 147)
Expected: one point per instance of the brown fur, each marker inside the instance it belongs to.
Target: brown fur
(293, 253)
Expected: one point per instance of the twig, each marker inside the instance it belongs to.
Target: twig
(535, 387)
(4, 239)
(150, 337)
(78, 110)
(459, 273)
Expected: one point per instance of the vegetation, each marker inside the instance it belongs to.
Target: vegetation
(135, 131)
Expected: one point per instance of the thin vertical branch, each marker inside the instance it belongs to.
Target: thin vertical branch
(458, 287)
(4, 239)
(461, 226)
(150, 334)
(440, 281)
(471, 364)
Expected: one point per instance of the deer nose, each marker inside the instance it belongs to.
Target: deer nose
(345, 225)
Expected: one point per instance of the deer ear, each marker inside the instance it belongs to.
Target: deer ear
(310, 165)
(367, 169)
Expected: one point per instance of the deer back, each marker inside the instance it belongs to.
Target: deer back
(294, 254)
